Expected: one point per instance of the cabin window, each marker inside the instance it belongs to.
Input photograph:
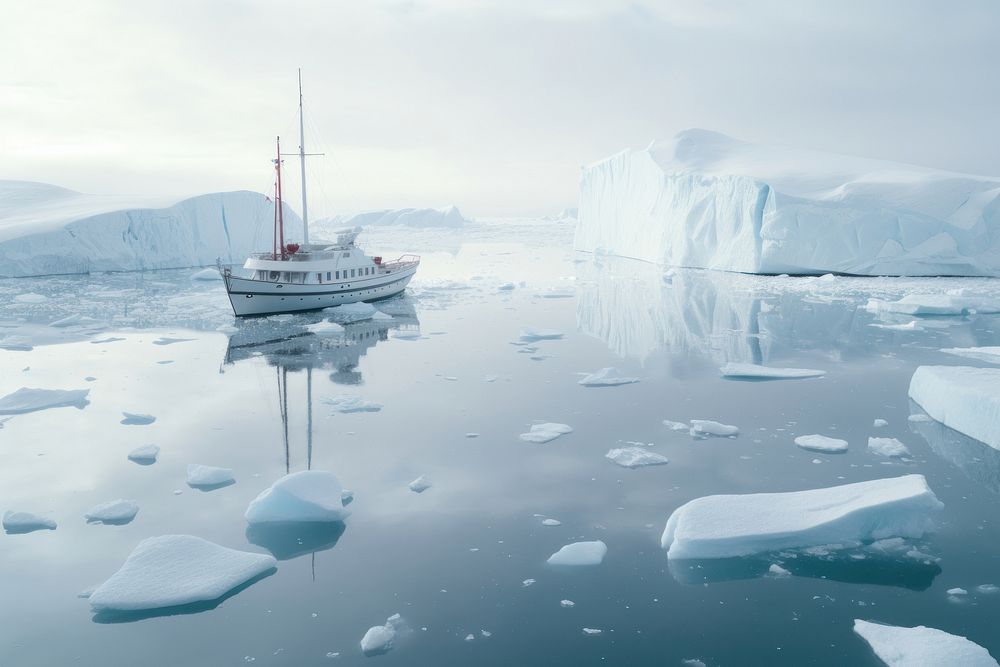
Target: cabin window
(352, 273)
(319, 277)
(338, 275)
(274, 275)
(327, 275)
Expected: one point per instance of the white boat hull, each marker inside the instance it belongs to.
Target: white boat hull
(259, 297)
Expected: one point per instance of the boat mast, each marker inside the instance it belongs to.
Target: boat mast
(278, 212)
(302, 160)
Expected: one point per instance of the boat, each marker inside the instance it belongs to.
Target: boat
(295, 277)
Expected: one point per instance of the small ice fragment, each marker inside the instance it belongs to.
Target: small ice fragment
(16, 523)
(113, 512)
(888, 447)
(880, 423)
(777, 571)
(918, 418)
(136, 419)
(505, 287)
(173, 570)
(901, 647)
(527, 582)
(208, 477)
(988, 589)
(489, 378)
(307, 495)
(346, 497)
(379, 316)
(541, 433)
(333, 654)
(591, 631)
(821, 443)
(530, 335)
(567, 603)
(693, 662)
(707, 427)
(471, 435)
(606, 377)
(27, 399)
(325, 328)
(89, 378)
(451, 378)
(420, 484)
(163, 340)
(486, 633)
(348, 404)
(755, 372)
(379, 638)
(675, 426)
(551, 522)
(580, 553)
(31, 297)
(469, 637)
(145, 455)
(636, 457)
(957, 591)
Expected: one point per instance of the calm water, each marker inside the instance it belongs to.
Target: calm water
(452, 561)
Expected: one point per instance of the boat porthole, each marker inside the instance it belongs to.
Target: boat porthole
(249, 296)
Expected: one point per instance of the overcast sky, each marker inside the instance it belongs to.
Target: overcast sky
(492, 105)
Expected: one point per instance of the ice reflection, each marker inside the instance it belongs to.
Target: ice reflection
(290, 540)
(977, 460)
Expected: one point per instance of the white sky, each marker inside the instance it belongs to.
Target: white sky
(492, 105)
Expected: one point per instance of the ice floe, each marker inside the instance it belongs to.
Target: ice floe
(378, 639)
(420, 484)
(879, 423)
(888, 447)
(113, 512)
(636, 457)
(145, 455)
(166, 340)
(821, 443)
(530, 335)
(703, 428)
(309, 495)
(546, 432)
(567, 603)
(957, 591)
(592, 631)
(606, 377)
(737, 371)
(348, 404)
(962, 398)
(935, 304)
(208, 477)
(27, 399)
(136, 419)
(551, 522)
(351, 312)
(325, 328)
(921, 646)
(580, 553)
(174, 570)
(740, 525)
(987, 354)
(16, 523)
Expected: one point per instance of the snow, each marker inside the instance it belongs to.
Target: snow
(172, 570)
(114, 512)
(540, 433)
(962, 398)
(636, 457)
(935, 304)
(420, 484)
(821, 443)
(706, 427)
(25, 522)
(145, 455)
(309, 495)
(530, 335)
(725, 526)
(325, 328)
(921, 646)
(207, 274)
(753, 371)
(449, 216)
(379, 638)
(202, 476)
(46, 230)
(136, 419)
(606, 377)
(348, 404)
(580, 553)
(27, 399)
(888, 447)
(987, 354)
(705, 200)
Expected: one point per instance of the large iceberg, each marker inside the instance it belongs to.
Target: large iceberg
(707, 200)
(46, 229)
(449, 216)
(741, 525)
(961, 397)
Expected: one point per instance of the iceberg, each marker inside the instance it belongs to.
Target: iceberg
(635, 457)
(580, 553)
(379, 638)
(704, 428)
(963, 398)
(16, 523)
(113, 513)
(420, 484)
(706, 200)
(738, 371)
(988, 354)
(208, 478)
(174, 570)
(541, 433)
(306, 496)
(888, 447)
(606, 377)
(27, 399)
(726, 526)
(449, 216)
(905, 647)
(145, 455)
(47, 230)
(821, 443)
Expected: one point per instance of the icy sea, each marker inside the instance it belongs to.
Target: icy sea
(442, 390)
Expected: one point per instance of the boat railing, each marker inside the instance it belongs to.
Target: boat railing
(403, 262)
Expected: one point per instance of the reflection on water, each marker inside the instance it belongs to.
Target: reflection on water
(290, 540)
(977, 460)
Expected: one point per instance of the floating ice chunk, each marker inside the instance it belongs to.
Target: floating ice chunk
(208, 477)
(348, 404)
(529, 335)
(25, 522)
(580, 553)
(755, 372)
(693, 662)
(592, 631)
(988, 354)
(551, 522)
(505, 287)
(379, 316)
(606, 377)
(325, 328)
(636, 457)
(309, 495)
(706, 427)
(113, 513)
(957, 591)
(420, 484)
(26, 399)
(207, 274)
(164, 340)
(777, 571)
(173, 570)
(346, 497)
(351, 312)
(567, 603)
(912, 325)
(31, 297)
(962, 398)
(469, 637)
(546, 432)
(379, 638)
(988, 589)
(740, 525)
(888, 447)
(145, 455)
(918, 418)
(921, 646)
(471, 435)
(879, 423)
(821, 443)
(136, 419)
(935, 304)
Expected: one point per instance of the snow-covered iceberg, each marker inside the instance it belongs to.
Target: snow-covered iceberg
(904, 647)
(113, 512)
(16, 523)
(448, 216)
(726, 526)
(46, 229)
(27, 399)
(961, 397)
(707, 200)
(580, 553)
(306, 496)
